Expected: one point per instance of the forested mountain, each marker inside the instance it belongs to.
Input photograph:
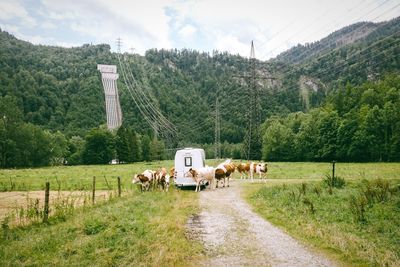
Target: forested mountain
(59, 89)
(355, 34)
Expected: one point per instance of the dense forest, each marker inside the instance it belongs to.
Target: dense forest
(333, 99)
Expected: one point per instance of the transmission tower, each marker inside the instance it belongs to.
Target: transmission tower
(119, 44)
(252, 139)
(217, 136)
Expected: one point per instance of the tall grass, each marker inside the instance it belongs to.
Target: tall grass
(357, 223)
(137, 230)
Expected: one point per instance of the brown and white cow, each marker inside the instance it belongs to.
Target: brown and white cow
(243, 169)
(202, 174)
(224, 171)
(145, 179)
(162, 179)
(258, 168)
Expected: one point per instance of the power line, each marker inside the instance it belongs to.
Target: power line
(148, 112)
(331, 42)
(355, 7)
(251, 141)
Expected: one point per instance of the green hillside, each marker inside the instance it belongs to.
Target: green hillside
(59, 89)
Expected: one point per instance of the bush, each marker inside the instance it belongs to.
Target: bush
(358, 205)
(377, 191)
(334, 181)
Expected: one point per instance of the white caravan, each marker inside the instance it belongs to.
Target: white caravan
(184, 160)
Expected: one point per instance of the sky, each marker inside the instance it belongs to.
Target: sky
(203, 25)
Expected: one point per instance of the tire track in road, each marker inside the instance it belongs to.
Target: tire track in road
(234, 235)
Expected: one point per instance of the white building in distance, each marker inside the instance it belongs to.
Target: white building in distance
(109, 78)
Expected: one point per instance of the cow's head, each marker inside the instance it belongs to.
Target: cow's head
(135, 179)
(192, 172)
(262, 167)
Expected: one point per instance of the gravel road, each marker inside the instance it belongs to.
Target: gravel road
(234, 235)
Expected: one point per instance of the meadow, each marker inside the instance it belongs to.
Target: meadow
(149, 228)
(356, 223)
(75, 177)
(139, 229)
(80, 177)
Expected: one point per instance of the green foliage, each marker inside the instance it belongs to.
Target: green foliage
(145, 144)
(367, 129)
(340, 223)
(59, 89)
(99, 147)
(93, 226)
(358, 206)
(278, 142)
(75, 146)
(134, 230)
(334, 181)
(126, 145)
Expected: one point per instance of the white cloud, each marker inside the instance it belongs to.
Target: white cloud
(141, 25)
(232, 44)
(274, 25)
(11, 29)
(187, 31)
(15, 10)
(48, 25)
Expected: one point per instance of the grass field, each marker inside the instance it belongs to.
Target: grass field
(80, 177)
(74, 177)
(143, 229)
(357, 224)
(149, 229)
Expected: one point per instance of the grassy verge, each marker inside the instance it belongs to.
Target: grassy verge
(357, 224)
(137, 230)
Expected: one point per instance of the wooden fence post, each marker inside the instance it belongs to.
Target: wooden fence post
(119, 186)
(94, 189)
(46, 203)
(333, 169)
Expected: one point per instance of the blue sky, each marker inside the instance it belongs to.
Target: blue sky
(204, 25)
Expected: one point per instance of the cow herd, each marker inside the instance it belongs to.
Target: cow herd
(160, 179)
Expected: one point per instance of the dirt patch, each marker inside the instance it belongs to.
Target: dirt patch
(233, 235)
(11, 201)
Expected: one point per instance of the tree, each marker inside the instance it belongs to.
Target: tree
(58, 147)
(278, 143)
(156, 149)
(10, 119)
(327, 125)
(76, 146)
(99, 147)
(145, 144)
(122, 148)
(133, 146)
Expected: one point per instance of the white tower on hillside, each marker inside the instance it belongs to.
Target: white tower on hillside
(109, 78)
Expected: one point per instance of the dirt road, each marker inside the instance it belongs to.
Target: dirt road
(233, 235)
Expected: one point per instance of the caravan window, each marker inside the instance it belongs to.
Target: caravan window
(188, 161)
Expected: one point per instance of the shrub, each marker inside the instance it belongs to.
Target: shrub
(377, 191)
(358, 206)
(308, 202)
(317, 190)
(334, 181)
